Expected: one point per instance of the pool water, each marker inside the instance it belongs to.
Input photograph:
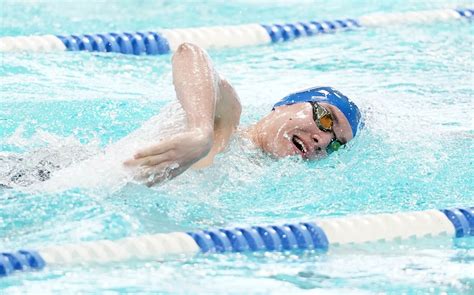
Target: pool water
(412, 82)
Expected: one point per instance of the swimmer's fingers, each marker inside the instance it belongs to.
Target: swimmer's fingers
(157, 160)
(133, 162)
(150, 176)
(153, 150)
(158, 178)
(157, 174)
(148, 161)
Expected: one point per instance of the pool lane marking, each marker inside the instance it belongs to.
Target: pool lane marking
(167, 40)
(218, 37)
(319, 235)
(386, 227)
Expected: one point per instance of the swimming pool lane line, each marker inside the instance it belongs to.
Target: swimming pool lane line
(167, 40)
(318, 235)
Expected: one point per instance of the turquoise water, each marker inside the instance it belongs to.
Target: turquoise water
(413, 83)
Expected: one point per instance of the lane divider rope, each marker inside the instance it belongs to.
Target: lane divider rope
(317, 235)
(167, 40)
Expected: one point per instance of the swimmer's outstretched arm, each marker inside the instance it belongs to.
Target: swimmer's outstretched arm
(212, 109)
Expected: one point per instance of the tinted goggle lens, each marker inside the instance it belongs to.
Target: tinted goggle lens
(324, 120)
(322, 117)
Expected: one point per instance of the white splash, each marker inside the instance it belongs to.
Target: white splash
(106, 169)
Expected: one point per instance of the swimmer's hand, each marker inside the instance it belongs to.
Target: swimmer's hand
(172, 156)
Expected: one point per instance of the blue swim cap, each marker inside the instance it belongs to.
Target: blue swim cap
(330, 96)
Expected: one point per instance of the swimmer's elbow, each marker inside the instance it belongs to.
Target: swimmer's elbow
(187, 46)
(186, 49)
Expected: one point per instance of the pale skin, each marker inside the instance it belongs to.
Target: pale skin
(213, 110)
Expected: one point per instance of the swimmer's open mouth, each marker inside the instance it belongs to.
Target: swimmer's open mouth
(298, 143)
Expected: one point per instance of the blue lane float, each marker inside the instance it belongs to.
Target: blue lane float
(288, 32)
(138, 43)
(317, 236)
(462, 220)
(262, 238)
(20, 261)
(167, 40)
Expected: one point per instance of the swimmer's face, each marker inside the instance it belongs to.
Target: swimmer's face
(291, 130)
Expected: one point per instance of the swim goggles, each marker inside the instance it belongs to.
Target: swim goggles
(325, 121)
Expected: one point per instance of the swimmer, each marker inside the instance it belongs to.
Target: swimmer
(311, 123)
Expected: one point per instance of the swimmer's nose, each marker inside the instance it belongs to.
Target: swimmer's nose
(317, 140)
(318, 143)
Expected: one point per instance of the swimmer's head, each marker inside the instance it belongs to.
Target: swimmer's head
(311, 123)
(330, 96)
